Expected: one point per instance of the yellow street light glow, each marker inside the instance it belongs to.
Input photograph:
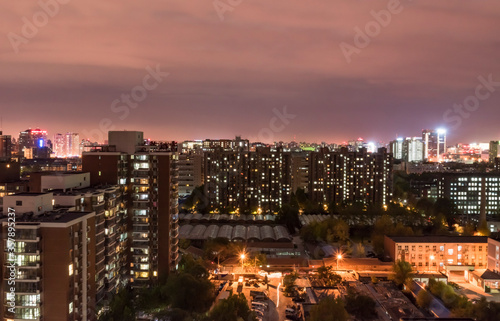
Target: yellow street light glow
(339, 257)
(242, 256)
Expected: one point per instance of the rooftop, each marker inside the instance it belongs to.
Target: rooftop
(30, 194)
(56, 216)
(487, 274)
(439, 239)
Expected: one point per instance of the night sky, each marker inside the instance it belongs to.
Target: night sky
(230, 76)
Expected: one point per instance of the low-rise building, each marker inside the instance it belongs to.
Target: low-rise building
(439, 253)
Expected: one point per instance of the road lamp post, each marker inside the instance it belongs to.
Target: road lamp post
(339, 257)
(242, 257)
(430, 263)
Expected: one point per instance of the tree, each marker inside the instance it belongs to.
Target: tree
(289, 215)
(217, 249)
(120, 308)
(424, 299)
(193, 267)
(383, 226)
(469, 230)
(360, 250)
(197, 201)
(359, 305)
(326, 275)
(189, 293)
(402, 272)
(289, 283)
(448, 209)
(425, 205)
(234, 308)
(340, 230)
(258, 259)
(329, 309)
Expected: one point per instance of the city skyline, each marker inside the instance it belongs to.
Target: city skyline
(230, 71)
(253, 139)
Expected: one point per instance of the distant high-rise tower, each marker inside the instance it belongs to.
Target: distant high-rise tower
(494, 150)
(66, 145)
(5, 147)
(58, 145)
(434, 144)
(413, 149)
(397, 148)
(32, 138)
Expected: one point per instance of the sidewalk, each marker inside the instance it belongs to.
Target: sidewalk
(475, 293)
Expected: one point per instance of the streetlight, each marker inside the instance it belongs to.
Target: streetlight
(430, 263)
(242, 257)
(339, 257)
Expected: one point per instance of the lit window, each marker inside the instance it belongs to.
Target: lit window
(70, 269)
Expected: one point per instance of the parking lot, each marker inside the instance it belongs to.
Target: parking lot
(277, 303)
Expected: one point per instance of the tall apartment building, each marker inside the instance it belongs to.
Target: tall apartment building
(300, 171)
(236, 144)
(5, 147)
(248, 181)
(54, 254)
(72, 190)
(190, 168)
(350, 177)
(148, 180)
(439, 253)
(111, 237)
(210, 145)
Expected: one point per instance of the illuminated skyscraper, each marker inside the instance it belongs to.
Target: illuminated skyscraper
(413, 149)
(66, 145)
(434, 144)
(32, 138)
(397, 148)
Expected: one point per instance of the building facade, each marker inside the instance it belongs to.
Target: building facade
(54, 254)
(439, 253)
(434, 144)
(350, 177)
(5, 147)
(248, 181)
(190, 168)
(149, 183)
